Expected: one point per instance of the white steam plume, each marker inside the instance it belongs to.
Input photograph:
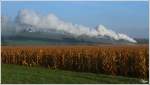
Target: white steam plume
(51, 22)
(117, 36)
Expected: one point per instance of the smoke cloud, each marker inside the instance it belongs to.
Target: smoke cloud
(117, 36)
(52, 22)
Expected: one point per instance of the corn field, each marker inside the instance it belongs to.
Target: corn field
(124, 60)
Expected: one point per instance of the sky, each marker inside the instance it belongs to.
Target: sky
(129, 17)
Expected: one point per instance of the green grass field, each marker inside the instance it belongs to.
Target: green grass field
(31, 75)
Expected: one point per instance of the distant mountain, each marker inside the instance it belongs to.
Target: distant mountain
(28, 37)
(142, 40)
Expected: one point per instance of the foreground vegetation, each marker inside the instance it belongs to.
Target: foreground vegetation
(16, 74)
(124, 60)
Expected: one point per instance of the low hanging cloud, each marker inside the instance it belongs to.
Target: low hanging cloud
(52, 22)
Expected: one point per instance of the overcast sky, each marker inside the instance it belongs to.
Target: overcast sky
(130, 17)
